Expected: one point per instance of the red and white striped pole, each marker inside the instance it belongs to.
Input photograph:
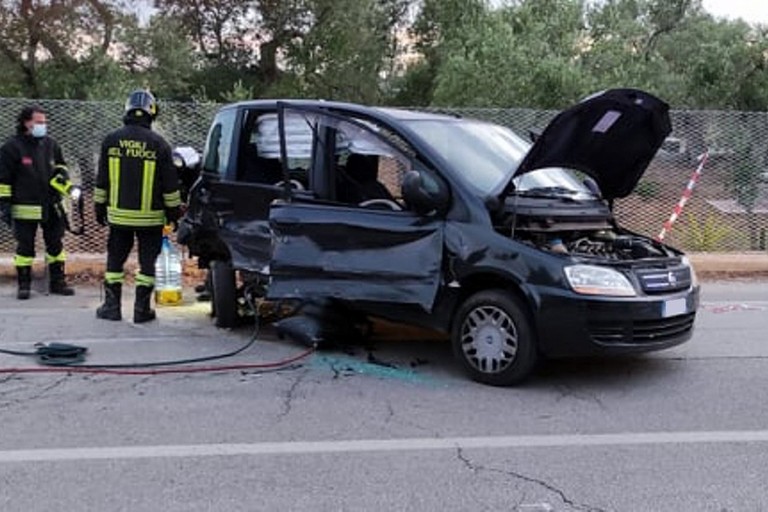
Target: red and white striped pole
(684, 198)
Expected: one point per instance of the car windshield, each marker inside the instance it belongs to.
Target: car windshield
(485, 156)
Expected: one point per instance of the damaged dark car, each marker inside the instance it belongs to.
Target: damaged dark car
(446, 223)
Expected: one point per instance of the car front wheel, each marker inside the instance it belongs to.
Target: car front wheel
(492, 339)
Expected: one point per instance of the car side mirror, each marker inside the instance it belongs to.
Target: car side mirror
(424, 192)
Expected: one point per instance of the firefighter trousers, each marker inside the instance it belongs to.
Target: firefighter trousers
(119, 245)
(25, 232)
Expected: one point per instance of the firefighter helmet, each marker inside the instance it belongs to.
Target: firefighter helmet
(141, 102)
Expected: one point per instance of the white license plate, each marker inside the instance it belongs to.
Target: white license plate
(674, 307)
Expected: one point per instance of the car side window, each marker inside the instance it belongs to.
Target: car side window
(219, 143)
(260, 161)
(369, 171)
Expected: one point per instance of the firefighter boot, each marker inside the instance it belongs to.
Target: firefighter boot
(142, 312)
(110, 310)
(24, 275)
(58, 283)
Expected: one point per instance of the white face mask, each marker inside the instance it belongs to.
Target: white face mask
(39, 130)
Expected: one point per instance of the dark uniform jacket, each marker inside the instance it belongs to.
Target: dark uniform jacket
(136, 178)
(27, 165)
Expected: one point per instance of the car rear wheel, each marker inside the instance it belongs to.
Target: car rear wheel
(492, 339)
(224, 299)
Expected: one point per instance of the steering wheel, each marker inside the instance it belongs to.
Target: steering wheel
(295, 184)
(382, 202)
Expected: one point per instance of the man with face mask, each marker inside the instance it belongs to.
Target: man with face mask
(29, 161)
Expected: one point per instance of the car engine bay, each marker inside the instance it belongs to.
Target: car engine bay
(604, 244)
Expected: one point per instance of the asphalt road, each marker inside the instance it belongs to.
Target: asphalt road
(391, 426)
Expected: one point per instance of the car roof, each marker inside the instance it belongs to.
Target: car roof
(399, 114)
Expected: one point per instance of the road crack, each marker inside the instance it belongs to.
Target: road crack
(390, 412)
(401, 419)
(41, 392)
(138, 386)
(477, 468)
(290, 395)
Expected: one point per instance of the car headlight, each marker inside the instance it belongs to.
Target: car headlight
(593, 280)
(687, 263)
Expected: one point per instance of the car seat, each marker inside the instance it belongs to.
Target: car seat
(257, 169)
(359, 181)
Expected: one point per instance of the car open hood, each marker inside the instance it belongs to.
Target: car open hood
(611, 136)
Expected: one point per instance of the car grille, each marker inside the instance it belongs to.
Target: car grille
(664, 280)
(640, 332)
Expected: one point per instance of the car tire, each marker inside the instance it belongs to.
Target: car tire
(224, 296)
(492, 339)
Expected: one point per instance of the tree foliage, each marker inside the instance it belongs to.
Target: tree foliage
(61, 38)
(532, 50)
(335, 59)
(532, 53)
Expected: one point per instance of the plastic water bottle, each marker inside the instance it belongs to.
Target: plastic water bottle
(168, 273)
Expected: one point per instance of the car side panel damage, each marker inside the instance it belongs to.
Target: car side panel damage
(248, 242)
(322, 251)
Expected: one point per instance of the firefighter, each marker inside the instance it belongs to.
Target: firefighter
(30, 162)
(136, 194)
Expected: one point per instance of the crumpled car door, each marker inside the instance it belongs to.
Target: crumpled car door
(323, 250)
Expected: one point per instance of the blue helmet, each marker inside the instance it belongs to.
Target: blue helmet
(141, 102)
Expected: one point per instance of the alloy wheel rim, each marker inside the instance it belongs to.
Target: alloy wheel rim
(489, 339)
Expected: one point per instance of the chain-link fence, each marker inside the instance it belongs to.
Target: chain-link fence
(728, 210)
(79, 127)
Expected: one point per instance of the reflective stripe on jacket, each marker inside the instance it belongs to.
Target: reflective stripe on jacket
(27, 165)
(136, 178)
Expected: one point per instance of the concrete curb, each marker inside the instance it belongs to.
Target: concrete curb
(90, 266)
(737, 264)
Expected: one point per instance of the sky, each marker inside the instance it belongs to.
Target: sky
(751, 11)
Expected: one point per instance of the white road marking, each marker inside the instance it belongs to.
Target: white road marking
(382, 445)
(535, 507)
